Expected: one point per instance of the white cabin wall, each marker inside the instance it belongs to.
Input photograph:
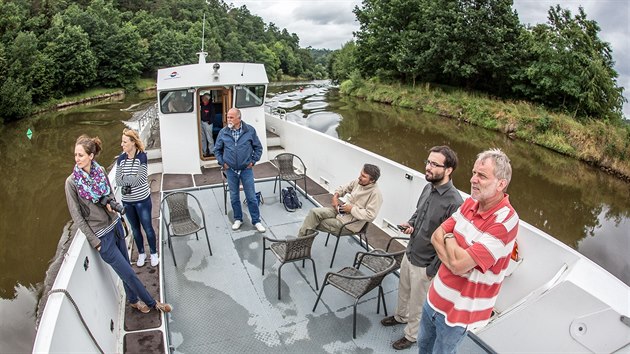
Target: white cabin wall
(255, 116)
(97, 296)
(179, 135)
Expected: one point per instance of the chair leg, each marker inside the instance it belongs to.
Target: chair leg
(327, 236)
(170, 246)
(378, 301)
(334, 252)
(197, 235)
(320, 293)
(354, 320)
(208, 240)
(274, 184)
(263, 263)
(225, 201)
(383, 297)
(314, 274)
(280, 278)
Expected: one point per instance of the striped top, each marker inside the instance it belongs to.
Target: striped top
(489, 237)
(133, 172)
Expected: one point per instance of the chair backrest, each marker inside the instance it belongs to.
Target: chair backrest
(285, 163)
(180, 205)
(376, 279)
(300, 247)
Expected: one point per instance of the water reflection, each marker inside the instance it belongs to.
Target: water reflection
(579, 205)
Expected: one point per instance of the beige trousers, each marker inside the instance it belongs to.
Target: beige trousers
(412, 291)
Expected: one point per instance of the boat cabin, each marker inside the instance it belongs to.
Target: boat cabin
(180, 91)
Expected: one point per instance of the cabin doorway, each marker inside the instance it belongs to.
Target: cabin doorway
(214, 103)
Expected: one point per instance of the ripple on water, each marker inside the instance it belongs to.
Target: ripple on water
(289, 104)
(314, 105)
(325, 122)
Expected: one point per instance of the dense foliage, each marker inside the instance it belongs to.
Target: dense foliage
(481, 45)
(51, 48)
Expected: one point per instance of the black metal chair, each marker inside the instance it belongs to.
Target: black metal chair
(355, 283)
(288, 172)
(344, 231)
(179, 220)
(290, 250)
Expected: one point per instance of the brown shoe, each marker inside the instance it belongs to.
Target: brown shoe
(390, 321)
(402, 343)
(141, 306)
(164, 307)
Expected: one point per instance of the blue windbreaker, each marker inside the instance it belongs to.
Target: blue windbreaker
(238, 154)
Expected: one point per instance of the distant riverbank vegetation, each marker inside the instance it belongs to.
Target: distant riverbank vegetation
(54, 50)
(552, 84)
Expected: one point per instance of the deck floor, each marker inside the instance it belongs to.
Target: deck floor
(222, 303)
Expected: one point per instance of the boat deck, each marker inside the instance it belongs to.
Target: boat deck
(223, 303)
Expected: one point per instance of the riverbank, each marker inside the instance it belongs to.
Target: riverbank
(94, 94)
(598, 143)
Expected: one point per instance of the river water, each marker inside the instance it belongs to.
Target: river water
(581, 206)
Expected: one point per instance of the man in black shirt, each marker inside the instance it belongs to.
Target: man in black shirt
(438, 200)
(207, 115)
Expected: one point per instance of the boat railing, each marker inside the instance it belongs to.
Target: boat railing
(148, 117)
(276, 111)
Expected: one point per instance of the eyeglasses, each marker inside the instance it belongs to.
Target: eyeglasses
(433, 164)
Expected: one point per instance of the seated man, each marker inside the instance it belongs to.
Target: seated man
(360, 200)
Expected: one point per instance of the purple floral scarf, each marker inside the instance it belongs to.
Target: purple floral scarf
(91, 186)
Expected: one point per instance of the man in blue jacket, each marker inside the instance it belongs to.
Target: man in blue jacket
(237, 149)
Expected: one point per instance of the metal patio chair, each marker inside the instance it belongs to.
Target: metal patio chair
(344, 231)
(290, 250)
(179, 220)
(288, 172)
(355, 283)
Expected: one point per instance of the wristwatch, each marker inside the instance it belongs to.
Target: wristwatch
(447, 236)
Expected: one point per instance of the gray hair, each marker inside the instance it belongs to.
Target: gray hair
(502, 166)
(373, 171)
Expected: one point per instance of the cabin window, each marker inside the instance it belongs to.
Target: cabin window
(250, 96)
(176, 101)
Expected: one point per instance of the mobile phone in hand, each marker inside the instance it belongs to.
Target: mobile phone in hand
(402, 228)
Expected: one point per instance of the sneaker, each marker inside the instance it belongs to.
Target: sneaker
(237, 225)
(154, 259)
(390, 321)
(259, 227)
(402, 343)
(162, 306)
(141, 306)
(142, 257)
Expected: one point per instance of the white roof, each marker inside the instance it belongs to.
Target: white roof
(200, 75)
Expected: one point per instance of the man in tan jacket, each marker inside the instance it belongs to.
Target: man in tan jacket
(358, 200)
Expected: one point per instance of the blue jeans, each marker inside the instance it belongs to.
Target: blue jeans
(435, 336)
(207, 143)
(246, 177)
(114, 252)
(139, 213)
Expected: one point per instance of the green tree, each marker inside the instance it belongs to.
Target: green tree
(15, 100)
(571, 68)
(74, 61)
(343, 62)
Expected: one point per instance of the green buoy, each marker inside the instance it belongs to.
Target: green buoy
(29, 133)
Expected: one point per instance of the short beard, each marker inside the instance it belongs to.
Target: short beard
(435, 178)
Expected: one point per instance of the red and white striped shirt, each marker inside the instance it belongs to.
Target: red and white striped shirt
(467, 300)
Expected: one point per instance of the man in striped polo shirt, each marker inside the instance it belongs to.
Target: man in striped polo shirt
(474, 245)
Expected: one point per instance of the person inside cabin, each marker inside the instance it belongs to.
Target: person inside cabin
(237, 149)
(360, 199)
(438, 201)
(475, 246)
(179, 102)
(131, 176)
(207, 119)
(93, 208)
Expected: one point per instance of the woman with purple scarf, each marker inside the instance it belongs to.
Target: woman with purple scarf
(85, 188)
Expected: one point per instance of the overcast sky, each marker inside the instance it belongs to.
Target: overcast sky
(329, 24)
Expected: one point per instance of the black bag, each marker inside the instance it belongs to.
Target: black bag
(290, 199)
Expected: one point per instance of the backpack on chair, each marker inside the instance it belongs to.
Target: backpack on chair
(290, 199)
